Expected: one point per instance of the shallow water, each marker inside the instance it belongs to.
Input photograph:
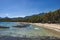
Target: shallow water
(29, 31)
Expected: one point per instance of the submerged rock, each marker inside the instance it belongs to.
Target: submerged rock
(3, 27)
(22, 26)
(36, 28)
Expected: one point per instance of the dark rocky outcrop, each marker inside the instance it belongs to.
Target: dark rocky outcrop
(3, 27)
(22, 26)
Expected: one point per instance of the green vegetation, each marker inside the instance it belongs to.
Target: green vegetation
(50, 17)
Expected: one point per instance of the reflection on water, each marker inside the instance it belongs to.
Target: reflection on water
(28, 31)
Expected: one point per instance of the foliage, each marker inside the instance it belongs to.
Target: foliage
(50, 17)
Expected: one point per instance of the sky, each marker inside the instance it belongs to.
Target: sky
(22, 8)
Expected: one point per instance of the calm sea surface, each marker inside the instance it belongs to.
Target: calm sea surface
(26, 31)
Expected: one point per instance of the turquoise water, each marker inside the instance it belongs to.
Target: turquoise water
(29, 31)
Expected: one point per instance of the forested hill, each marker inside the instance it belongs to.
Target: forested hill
(50, 17)
(53, 17)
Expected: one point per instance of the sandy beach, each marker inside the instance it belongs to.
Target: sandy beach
(55, 27)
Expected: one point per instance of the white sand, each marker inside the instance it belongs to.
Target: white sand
(55, 27)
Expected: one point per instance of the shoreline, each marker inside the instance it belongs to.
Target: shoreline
(55, 27)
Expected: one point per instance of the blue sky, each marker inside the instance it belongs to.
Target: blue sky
(21, 8)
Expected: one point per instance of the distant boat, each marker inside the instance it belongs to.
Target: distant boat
(3, 27)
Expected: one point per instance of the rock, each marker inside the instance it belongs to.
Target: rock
(3, 27)
(22, 26)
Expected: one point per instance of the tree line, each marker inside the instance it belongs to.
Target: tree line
(50, 17)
